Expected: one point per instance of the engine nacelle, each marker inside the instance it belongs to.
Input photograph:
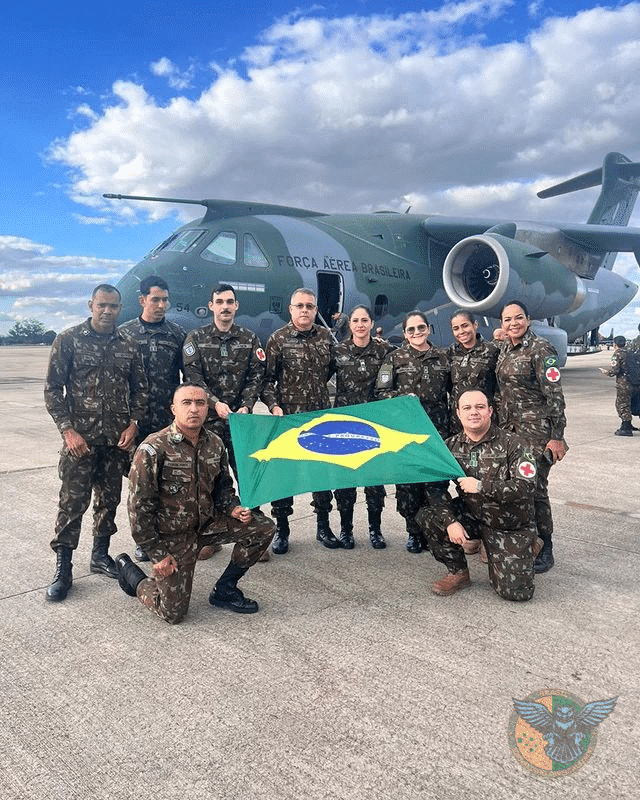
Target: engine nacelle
(483, 272)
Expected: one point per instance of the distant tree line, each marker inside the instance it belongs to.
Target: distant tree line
(28, 331)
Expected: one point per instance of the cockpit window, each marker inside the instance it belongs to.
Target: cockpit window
(184, 241)
(222, 249)
(253, 255)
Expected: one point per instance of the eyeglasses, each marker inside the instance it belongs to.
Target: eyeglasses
(417, 329)
(300, 306)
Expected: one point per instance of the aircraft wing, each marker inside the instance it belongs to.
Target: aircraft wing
(593, 238)
(603, 238)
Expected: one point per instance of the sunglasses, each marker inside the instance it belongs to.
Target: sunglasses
(417, 329)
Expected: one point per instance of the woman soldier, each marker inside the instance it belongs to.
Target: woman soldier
(472, 361)
(420, 369)
(356, 362)
(532, 406)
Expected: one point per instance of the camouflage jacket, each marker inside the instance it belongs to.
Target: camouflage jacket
(95, 384)
(531, 398)
(356, 369)
(161, 347)
(230, 365)
(298, 364)
(424, 373)
(176, 489)
(634, 345)
(507, 473)
(473, 369)
(619, 369)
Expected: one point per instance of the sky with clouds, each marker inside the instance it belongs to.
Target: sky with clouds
(462, 108)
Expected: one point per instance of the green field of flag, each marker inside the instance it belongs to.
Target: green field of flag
(385, 442)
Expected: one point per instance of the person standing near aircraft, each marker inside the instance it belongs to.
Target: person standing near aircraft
(96, 392)
(160, 343)
(494, 502)
(420, 369)
(355, 363)
(623, 368)
(181, 497)
(229, 363)
(472, 361)
(298, 368)
(532, 406)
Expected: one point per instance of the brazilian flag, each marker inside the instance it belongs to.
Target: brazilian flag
(389, 441)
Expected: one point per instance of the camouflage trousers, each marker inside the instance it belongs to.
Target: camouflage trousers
(100, 471)
(346, 498)
(509, 553)
(411, 497)
(169, 596)
(623, 402)
(321, 501)
(541, 504)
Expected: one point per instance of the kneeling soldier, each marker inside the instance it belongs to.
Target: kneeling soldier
(181, 498)
(494, 503)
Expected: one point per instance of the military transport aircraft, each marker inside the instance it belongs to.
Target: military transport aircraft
(398, 262)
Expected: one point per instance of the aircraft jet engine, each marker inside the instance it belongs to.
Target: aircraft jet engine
(483, 272)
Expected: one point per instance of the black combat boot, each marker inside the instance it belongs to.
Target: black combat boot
(227, 595)
(346, 528)
(62, 579)
(414, 542)
(101, 561)
(544, 560)
(324, 534)
(280, 542)
(375, 536)
(129, 574)
(140, 555)
(625, 429)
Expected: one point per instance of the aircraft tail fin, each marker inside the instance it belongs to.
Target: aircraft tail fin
(620, 179)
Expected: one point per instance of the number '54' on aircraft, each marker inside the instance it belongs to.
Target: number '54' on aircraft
(395, 263)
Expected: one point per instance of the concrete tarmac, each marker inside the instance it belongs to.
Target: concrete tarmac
(352, 682)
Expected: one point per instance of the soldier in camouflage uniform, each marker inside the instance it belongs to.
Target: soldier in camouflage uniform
(180, 497)
(355, 363)
(298, 365)
(532, 406)
(228, 362)
(494, 503)
(96, 393)
(472, 361)
(160, 344)
(624, 389)
(421, 369)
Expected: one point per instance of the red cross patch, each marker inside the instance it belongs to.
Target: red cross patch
(553, 374)
(261, 354)
(527, 469)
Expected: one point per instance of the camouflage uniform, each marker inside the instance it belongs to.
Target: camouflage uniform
(501, 514)
(95, 385)
(160, 344)
(298, 368)
(472, 369)
(356, 369)
(624, 392)
(532, 406)
(425, 374)
(230, 366)
(180, 498)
